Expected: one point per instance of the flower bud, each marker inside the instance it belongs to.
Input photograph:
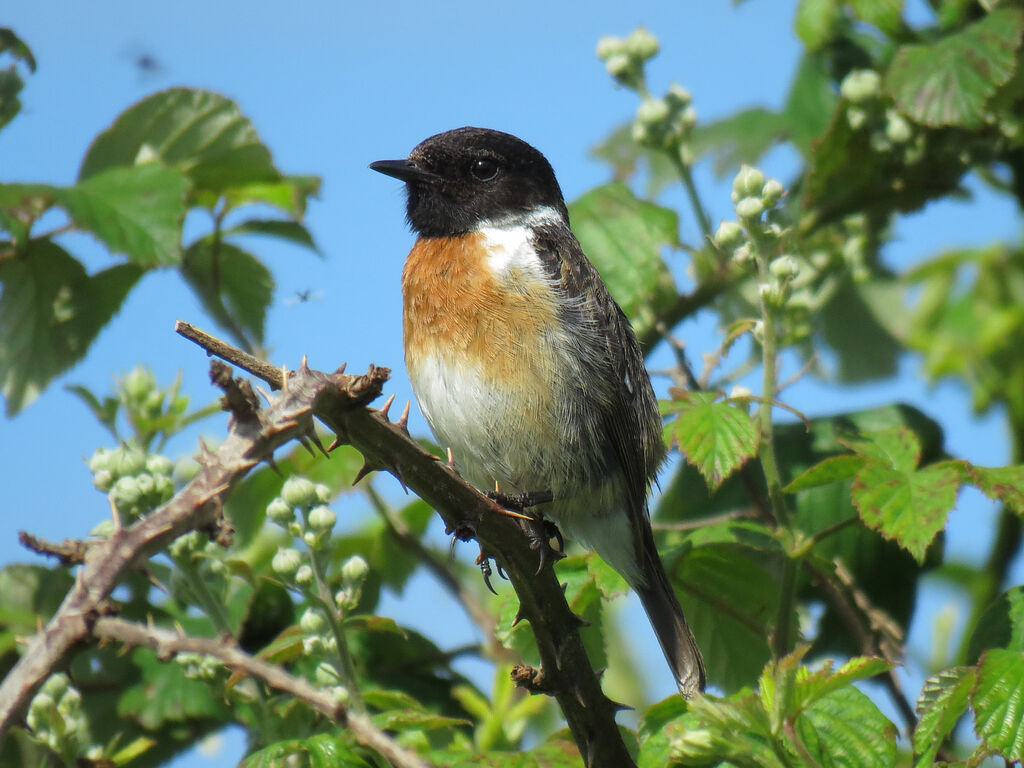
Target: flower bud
(354, 570)
(99, 460)
(739, 392)
(897, 129)
(280, 512)
(784, 267)
(159, 465)
(125, 494)
(127, 461)
(744, 255)
(312, 622)
(678, 96)
(341, 695)
(70, 703)
(652, 112)
(856, 117)
(312, 540)
(642, 44)
(609, 46)
(749, 208)
(729, 235)
(749, 182)
(146, 484)
(618, 65)
(164, 489)
(299, 492)
(860, 85)
(286, 562)
(326, 674)
(55, 685)
(323, 493)
(138, 383)
(103, 480)
(304, 575)
(640, 134)
(771, 193)
(322, 518)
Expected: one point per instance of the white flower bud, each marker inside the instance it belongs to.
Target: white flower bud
(312, 540)
(103, 479)
(322, 518)
(749, 208)
(323, 493)
(771, 193)
(728, 235)
(618, 65)
(860, 85)
(326, 674)
(609, 46)
(298, 492)
(642, 44)
(312, 622)
(739, 392)
(304, 575)
(856, 117)
(897, 129)
(652, 112)
(354, 570)
(125, 494)
(784, 267)
(159, 465)
(100, 460)
(678, 96)
(749, 182)
(280, 512)
(286, 562)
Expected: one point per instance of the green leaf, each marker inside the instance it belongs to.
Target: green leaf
(846, 730)
(166, 695)
(655, 745)
(201, 133)
(104, 411)
(810, 103)
(234, 286)
(1000, 626)
(909, 507)
(813, 686)
(868, 349)
(29, 594)
(948, 82)
(731, 600)
(715, 437)
(290, 194)
(14, 45)
(739, 138)
(943, 700)
(21, 205)
(895, 448)
(1005, 484)
(292, 231)
(555, 753)
(137, 211)
(816, 22)
(623, 236)
(998, 702)
(834, 469)
(50, 312)
(584, 599)
(321, 751)
(887, 15)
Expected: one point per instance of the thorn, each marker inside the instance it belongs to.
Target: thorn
(497, 490)
(398, 476)
(451, 548)
(403, 420)
(335, 443)
(264, 393)
(303, 365)
(284, 378)
(273, 465)
(518, 617)
(387, 407)
(363, 471)
(580, 698)
(451, 460)
(304, 442)
(618, 706)
(341, 369)
(314, 438)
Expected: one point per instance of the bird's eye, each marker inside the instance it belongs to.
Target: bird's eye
(484, 169)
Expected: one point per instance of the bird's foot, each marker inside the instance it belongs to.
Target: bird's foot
(539, 530)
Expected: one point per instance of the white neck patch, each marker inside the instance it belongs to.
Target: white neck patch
(508, 241)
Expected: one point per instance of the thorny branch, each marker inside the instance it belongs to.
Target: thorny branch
(386, 445)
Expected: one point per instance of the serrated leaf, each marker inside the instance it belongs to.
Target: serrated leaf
(50, 312)
(810, 103)
(998, 701)
(289, 195)
(201, 133)
(846, 730)
(715, 437)
(234, 286)
(293, 231)
(623, 236)
(1005, 484)
(895, 448)
(834, 469)
(21, 205)
(606, 578)
(949, 81)
(321, 751)
(870, 348)
(816, 21)
(14, 45)
(415, 720)
(136, 211)
(909, 507)
(944, 698)
(739, 138)
(556, 753)
(816, 685)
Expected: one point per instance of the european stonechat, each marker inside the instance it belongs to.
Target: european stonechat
(523, 364)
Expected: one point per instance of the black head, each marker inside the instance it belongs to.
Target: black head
(458, 179)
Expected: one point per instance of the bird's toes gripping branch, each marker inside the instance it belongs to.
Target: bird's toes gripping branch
(539, 530)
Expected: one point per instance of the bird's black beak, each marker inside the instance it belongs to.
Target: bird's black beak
(406, 170)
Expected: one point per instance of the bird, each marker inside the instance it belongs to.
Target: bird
(524, 366)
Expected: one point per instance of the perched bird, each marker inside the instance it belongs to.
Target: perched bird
(523, 364)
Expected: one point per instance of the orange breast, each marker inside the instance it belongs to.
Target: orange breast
(458, 308)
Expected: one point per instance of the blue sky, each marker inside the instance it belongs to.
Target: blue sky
(332, 86)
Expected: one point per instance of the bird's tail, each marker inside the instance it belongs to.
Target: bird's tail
(666, 616)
